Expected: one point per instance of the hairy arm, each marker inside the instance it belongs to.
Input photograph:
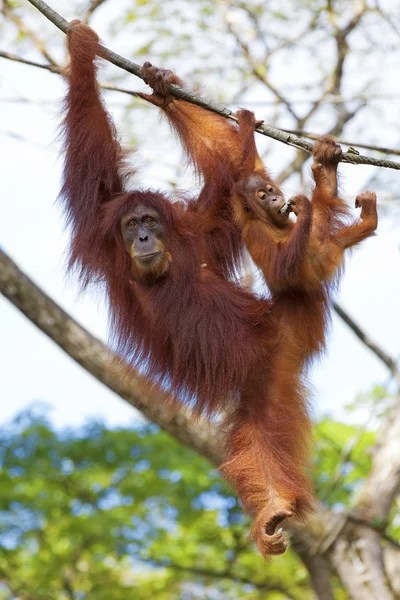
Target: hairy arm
(292, 250)
(364, 227)
(279, 258)
(328, 207)
(210, 141)
(93, 155)
(213, 146)
(250, 159)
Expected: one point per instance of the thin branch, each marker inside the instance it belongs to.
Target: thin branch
(334, 82)
(94, 5)
(315, 136)
(385, 358)
(256, 24)
(113, 88)
(52, 68)
(98, 360)
(58, 71)
(354, 518)
(388, 20)
(330, 99)
(258, 70)
(272, 132)
(9, 13)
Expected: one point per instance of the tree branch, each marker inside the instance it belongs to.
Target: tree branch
(258, 70)
(58, 71)
(98, 360)
(267, 130)
(315, 136)
(52, 68)
(354, 518)
(317, 565)
(383, 483)
(385, 358)
(8, 12)
(106, 86)
(94, 5)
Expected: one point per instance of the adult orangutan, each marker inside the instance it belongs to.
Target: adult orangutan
(173, 312)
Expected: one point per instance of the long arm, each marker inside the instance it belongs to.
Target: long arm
(250, 159)
(328, 207)
(93, 156)
(364, 227)
(280, 258)
(292, 251)
(214, 148)
(210, 141)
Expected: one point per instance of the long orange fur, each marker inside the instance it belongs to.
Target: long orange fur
(221, 349)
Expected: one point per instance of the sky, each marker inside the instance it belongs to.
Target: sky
(34, 369)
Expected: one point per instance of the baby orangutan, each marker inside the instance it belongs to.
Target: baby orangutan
(300, 260)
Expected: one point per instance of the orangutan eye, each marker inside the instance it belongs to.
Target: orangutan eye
(270, 189)
(261, 194)
(149, 221)
(132, 224)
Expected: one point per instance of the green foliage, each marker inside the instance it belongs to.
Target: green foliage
(342, 461)
(376, 401)
(102, 513)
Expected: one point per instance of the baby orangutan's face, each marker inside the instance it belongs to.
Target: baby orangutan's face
(263, 198)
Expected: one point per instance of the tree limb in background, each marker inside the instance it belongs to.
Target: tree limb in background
(317, 565)
(58, 71)
(52, 68)
(98, 360)
(267, 130)
(94, 5)
(383, 483)
(385, 358)
(8, 11)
